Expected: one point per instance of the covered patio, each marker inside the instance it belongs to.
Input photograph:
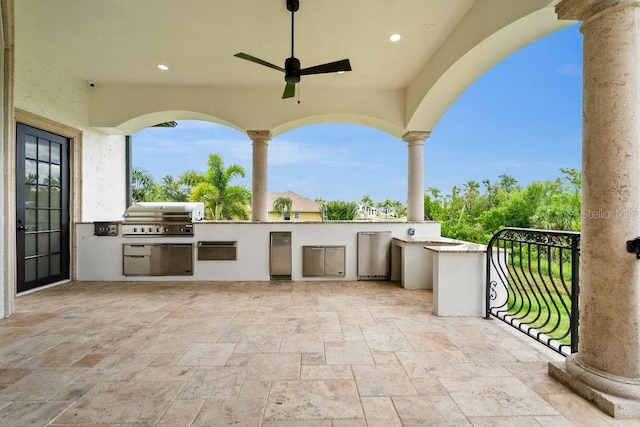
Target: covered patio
(84, 76)
(271, 354)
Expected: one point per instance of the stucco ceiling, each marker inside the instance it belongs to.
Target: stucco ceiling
(119, 43)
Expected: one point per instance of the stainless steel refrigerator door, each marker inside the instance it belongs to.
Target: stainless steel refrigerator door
(280, 255)
(374, 254)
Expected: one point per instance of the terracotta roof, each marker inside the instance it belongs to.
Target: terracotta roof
(299, 203)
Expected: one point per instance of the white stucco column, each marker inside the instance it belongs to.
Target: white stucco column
(415, 181)
(259, 208)
(607, 367)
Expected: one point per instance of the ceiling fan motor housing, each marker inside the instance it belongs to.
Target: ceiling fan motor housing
(292, 70)
(293, 5)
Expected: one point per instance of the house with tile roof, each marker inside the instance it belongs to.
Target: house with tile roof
(302, 208)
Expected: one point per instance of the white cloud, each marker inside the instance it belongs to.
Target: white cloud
(290, 152)
(570, 70)
(160, 146)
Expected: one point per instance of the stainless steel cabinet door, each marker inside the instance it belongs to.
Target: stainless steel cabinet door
(312, 261)
(334, 261)
(180, 260)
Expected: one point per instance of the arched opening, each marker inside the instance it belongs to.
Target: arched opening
(322, 162)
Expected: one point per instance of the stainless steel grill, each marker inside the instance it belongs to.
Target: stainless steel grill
(162, 218)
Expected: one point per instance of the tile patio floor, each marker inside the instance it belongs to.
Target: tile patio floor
(271, 354)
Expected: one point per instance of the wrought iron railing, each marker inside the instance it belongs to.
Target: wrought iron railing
(533, 284)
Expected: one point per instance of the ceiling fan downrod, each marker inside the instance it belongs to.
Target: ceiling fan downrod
(292, 64)
(292, 6)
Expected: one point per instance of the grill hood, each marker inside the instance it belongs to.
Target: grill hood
(143, 212)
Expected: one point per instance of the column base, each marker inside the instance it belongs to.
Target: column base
(615, 406)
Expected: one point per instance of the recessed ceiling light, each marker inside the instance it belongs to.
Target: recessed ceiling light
(395, 37)
(163, 67)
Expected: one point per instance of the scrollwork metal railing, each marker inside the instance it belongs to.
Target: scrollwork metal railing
(533, 284)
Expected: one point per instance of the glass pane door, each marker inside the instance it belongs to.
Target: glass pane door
(42, 233)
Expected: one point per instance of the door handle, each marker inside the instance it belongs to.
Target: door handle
(22, 228)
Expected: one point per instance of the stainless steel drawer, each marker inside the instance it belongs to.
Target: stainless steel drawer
(217, 251)
(137, 250)
(159, 259)
(136, 265)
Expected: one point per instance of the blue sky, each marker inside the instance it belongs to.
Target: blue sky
(522, 118)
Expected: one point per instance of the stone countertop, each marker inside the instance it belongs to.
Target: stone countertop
(435, 240)
(121, 221)
(463, 247)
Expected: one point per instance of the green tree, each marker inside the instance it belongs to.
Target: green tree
(341, 211)
(171, 190)
(367, 204)
(507, 182)
(143, 187)
(387, 207)
(468, 213)
(222, 200)
(561, 207)
(433, 205)
(400, 209)
(283, 205)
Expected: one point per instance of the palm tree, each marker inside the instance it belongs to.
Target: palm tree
(222, 201)
(283, 205)
(367, 205)
(143, 187)
(171, 190)
(399, 208)
(386, 206)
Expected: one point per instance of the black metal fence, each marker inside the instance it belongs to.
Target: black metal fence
(533, 284)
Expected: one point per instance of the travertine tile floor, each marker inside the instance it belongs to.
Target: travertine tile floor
(271, 354)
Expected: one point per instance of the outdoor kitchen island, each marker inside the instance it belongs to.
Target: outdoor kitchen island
(100, 257)
(454, 269)
(410, 265)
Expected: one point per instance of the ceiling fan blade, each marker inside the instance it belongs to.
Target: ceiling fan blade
(289, 91)
(330, 67)
(243, 55)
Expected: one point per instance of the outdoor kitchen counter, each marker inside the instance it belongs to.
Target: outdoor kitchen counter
(409, 263)
(252, 243)
(458, 277)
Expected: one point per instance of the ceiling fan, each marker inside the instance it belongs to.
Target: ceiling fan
(292, 70)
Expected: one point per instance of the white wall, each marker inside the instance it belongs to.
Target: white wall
(54, 93)
(100, 258)
(3, 206)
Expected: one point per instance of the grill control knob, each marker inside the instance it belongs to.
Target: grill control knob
(135, 229)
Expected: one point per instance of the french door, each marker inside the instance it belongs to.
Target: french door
(42, 208)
